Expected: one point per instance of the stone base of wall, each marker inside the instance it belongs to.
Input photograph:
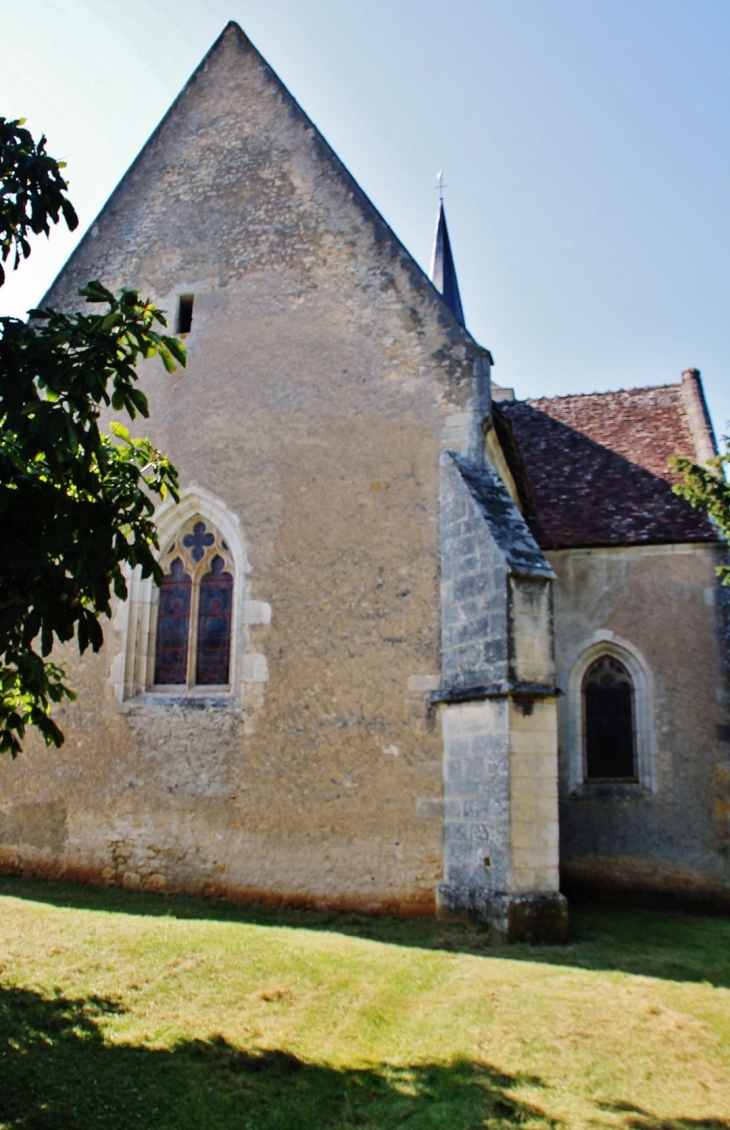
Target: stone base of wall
(538, 919)
(646, 883)
(44, 867)
(533, 918)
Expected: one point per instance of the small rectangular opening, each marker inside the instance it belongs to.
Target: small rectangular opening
(185, 314)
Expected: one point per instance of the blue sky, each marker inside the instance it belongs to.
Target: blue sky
(586, 147)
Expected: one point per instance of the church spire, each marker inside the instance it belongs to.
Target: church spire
(443, 271)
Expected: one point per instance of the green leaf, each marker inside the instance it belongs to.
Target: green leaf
(167, 359)
(177, 349)
(120, 431)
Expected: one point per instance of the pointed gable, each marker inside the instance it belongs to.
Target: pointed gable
(237, 180)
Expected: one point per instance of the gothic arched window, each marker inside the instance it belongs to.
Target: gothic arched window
(608, 712)
(193, 642)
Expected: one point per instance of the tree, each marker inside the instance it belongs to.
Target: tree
(706, 487)
(76, 505)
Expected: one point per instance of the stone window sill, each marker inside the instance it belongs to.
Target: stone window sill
(193, 698)
(609, 790)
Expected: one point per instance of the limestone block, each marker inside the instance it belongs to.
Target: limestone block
(537, 758)
(534, 834)
(256, 612)
(534, 857)
(538, 806)
(430, 808)
(255, 668)
(420, 684)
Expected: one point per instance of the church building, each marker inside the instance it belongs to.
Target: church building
(421, 647)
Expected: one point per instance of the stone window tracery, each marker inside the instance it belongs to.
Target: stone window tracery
(221, 615)
(194, 618)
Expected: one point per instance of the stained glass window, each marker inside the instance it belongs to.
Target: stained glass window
(173, 627)
(193, 645)
(214, 625)
(608, 697)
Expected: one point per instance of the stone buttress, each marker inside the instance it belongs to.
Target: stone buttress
(497, 704)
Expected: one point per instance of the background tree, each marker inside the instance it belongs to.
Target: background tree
(706, 487)
(76, 505)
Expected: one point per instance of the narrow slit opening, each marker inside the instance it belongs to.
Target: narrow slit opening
(185, 314)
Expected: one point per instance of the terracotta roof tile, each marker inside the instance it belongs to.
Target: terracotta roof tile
(597, 467)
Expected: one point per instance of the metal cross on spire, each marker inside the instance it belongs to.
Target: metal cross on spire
(440, 184)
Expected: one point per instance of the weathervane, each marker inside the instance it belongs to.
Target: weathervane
(440, 184)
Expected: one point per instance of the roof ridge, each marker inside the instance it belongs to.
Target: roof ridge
(606, 392)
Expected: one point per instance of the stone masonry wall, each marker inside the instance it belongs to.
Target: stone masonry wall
(669, 836)
(323, 370)
(477, 798)
(473, 586)
(533, 765)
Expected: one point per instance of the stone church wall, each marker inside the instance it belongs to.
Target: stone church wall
(657, 609)
(324, 376)
(325, 379)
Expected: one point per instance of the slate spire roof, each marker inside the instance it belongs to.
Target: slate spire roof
(443, 271)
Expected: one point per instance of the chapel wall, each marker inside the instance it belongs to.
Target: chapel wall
(659, 609)
(324, 374)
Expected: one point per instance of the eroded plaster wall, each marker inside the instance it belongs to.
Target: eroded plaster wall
(661, 606)
(324, 374)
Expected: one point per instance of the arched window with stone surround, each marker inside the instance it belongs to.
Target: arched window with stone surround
(195, 606)
(606, 719)
(609, 721)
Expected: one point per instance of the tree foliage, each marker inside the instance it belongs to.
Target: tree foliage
(706, 487)
(76, 505)
(32, 191)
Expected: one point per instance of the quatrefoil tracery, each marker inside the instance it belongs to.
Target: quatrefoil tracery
(197, 549)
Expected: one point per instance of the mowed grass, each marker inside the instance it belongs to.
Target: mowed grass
(123, 1010)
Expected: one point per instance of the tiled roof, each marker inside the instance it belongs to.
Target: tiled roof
(594, 468)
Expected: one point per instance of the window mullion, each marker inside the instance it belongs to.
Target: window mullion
(193, 638)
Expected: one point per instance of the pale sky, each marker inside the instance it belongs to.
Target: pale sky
(586, 148)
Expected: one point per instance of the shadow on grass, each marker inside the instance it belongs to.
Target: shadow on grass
(639, 1119)
(664, 944)
(58, 1072)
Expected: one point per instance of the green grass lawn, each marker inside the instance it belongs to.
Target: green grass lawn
(122, 1010)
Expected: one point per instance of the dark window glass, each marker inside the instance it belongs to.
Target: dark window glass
(185, 314)
(173, 627)
(608, 696)
(214, 626)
